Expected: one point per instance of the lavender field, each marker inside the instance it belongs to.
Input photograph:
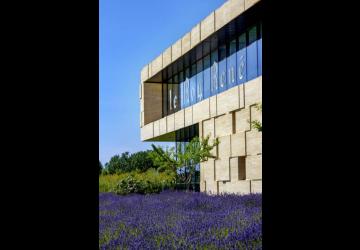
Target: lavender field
(180, 220)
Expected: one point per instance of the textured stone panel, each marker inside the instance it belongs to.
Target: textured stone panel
(223, 125)
(211, 187)
(238, 145)
(166, 57)
(253, 91)
(228, 11)
(209, 128)
(255, 114)
(256, 186)
(242, 120)
(163, 126)
(202, 186)
(222, 169)
(228, 100)
(224, 148)
(176, 50)
(195, 36)
(253, 142)
(201, 111)
(242, 95)
(188, 116)
(170, 123)
(186, 43)
(209, 170)
(253, 164)
(145, 73)
(147, 131)
(213, 111)
(156, 128)
(180, 119)
(207, 26)
(235, 187)
(156, 65)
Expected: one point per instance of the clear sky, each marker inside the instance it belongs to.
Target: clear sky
(132, 34)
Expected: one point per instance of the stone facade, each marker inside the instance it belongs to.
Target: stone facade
(227, 115)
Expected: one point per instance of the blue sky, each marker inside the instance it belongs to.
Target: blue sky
(132, 34)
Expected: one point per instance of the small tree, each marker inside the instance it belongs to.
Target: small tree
(193, 153)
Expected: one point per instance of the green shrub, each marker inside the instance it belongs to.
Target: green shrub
(128, 185)
(108, 182)
(147, 182)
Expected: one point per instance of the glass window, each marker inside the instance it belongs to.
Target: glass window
(259, 51)
(193, 84)
(199, 80)
(170, 97)
(181, 80)
(165, 104)
(214, 72)
(199, 51)
(206, 48)
(187, 88)
(207, 77)
(222, 68)
(231, 64)
(212, 67)
(176, 91)
(251, 54)
(241, 59)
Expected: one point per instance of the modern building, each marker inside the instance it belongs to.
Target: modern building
(209, 83)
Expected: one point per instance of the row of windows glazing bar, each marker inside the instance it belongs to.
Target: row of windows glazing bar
(215, 68)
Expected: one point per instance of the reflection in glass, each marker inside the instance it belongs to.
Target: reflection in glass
(231, 64)
(193, 84)
(176, 87)
(170, 96)
(181, 80)
(207, 77)
(241, 59)
(222, 68)
(165, 105)
(199, 80)
(187, 88)
(251, 54)
(214, 72)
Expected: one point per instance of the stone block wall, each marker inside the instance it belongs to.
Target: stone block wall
(238, 166)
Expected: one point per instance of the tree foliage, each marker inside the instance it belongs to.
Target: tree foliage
(139, 161)
(193, 153)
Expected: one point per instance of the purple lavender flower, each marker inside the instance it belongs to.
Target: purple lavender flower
(180, 220)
